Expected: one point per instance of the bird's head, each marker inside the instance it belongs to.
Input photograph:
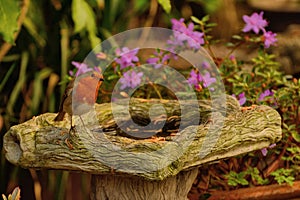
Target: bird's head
(97, 76)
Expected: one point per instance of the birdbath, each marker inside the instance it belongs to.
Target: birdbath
(123, 167)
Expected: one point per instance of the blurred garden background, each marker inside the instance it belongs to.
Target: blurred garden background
(40, 38)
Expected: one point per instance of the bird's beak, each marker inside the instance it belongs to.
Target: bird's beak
(101, 79)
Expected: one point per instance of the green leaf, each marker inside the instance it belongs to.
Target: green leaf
(211, 25)
(205, 18)
(243, 181)
(196, 20)
(232, 182)
(237, 37)
(84, 19)
(80, 14)
(9, 12)
(282, 175)
(229, 44)
(112, 77)
(296, 135)
(166, 4)
(236, 178)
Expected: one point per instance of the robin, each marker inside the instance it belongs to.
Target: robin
(79, 96)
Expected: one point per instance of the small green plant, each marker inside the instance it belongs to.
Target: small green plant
(235, 179)
(294, 155)
(256, 177)
(284, 176)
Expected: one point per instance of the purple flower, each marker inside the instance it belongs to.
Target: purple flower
(130, 79)
(264, 151)
(205, 65)
(255, 22)
(194, 79)
(232, 58)
(166, 57)
(264, 94)
(159, 59)
(195, 38)
(176, 41)
(185, 36)
(241, 98)
(81, 68)
(269, 38)
(208, 80)
(153, 60)
(178, 25)
(126, 57)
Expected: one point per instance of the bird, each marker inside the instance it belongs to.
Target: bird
(79, 96)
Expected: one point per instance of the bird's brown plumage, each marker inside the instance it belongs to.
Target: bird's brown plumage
(79, 95)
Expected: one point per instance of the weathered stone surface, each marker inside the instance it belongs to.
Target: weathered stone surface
(41, 142)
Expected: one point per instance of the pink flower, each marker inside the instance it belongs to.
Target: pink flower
(205, 65)
(131, 79)
(208, 80)
(178, 25)
(269, 38)
(264, 151)
(194, 79)
(159, 59)
(265, 94)
(185, 36)
(254, 22)
(81, 68)
(241, 98)
(126, 57)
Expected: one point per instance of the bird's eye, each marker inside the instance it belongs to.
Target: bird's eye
(93, 75)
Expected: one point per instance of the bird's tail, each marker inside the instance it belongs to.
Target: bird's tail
(60, 116)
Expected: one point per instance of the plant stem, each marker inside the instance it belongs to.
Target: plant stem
(156, 90)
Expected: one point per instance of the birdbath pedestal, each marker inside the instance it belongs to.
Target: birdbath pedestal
(130, 168)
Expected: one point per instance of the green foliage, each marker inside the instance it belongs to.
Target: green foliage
(289, 100)
(166, 5)
(235, 179)
(256, 176)
(264, 74)
(9, 13)
(284, 176)
(294, 155)
(84, 20)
